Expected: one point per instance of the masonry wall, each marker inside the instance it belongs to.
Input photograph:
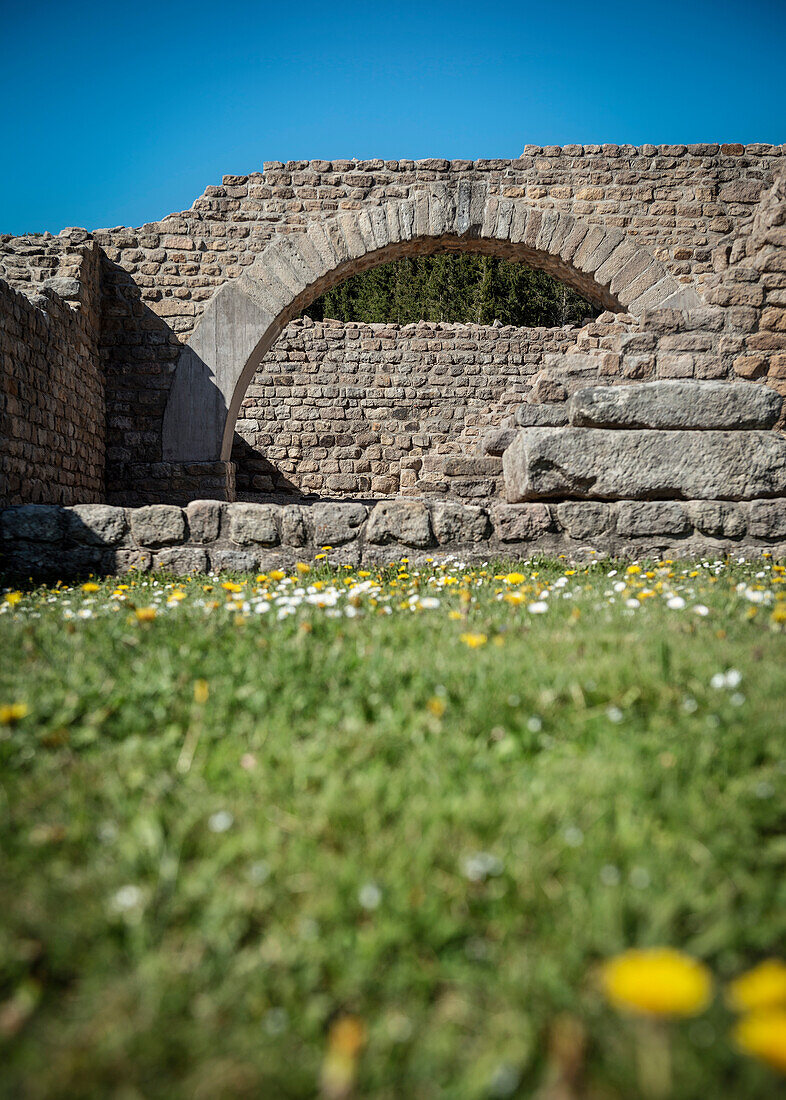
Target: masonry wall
(678, 201)
(52, 412)
(374, 410)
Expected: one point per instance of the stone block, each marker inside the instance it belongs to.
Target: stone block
(204, 520)
(642, 518)
(233, 561)
(181, 560)
(767, 519)
(333, 524)
(619, 464)
(132, 561)
(158, 525)
(253, 524)
(541, 416)
(95, 524)
(520, 523)
(584, 519)
(37, 522)
(718, 519)
(293, 526)
(673, 404)
(459, 523)
(495, 441)
(404, 521)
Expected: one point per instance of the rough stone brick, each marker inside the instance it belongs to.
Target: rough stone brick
(459, 523)
(253, 524)
(158, 525)
(767, 519)
(520, 523)
(204, 520)
(657, 517)
(401, 521)
(335, 524)
(181, 560)
(584, 519)
(96, 524)
(719, 518)
(37, 522)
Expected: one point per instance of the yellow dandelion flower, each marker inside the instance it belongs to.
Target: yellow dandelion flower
(762, 987)
(657, 981)
(231, 586)
(319, 557)
(779, 614)
(763, 1035)
(277, 574)
(90, 586)
(436, 706)
(201, 691)
(633, 569)
(514, 578)
(145, 614)
(455, 615)
(514, 598)
(474, 641)
(177, 595)
(13, 598)
(303, 568)
(11, 713)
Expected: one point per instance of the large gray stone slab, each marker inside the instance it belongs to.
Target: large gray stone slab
(676, 404)
(597, 464)
(521, 524)
(181, 560)
(37, 522)
(253, 524)
(584, 519)
(336, 523)
(640, 518)
(459, 523)
(405, 521)
(158, 525)
(541, 416)
(95, 524)
(719, 519)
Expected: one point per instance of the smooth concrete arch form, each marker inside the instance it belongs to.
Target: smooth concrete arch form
(244, 317)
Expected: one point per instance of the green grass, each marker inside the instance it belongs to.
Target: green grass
(369, 817)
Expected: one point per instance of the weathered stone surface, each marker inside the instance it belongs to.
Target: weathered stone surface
(181, 560)
(158, 525)
(495, 441)
(253, 524)
(719, 519)
(521, 523)
(767, 519)
(204, 520)
(132, 561)
(95, 524)
(405, 521)
(590, 463)
(674, 404)
(233, 561)
(584, 519)
(39, 522)
(541, 416)
(335, 524)
(637, 518)
(459, 523)
(293, 526)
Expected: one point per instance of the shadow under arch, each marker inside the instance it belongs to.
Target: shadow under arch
(245, 316)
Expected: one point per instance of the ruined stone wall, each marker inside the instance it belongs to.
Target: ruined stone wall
(52, 414)
(373, 410)
(677, 201)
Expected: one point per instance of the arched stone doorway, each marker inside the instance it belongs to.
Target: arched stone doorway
(244, 318)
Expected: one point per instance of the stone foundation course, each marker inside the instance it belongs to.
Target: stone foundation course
(45, 541)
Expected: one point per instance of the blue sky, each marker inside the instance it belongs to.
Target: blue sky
(117, 114)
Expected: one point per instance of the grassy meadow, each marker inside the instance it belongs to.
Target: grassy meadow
(374, 832)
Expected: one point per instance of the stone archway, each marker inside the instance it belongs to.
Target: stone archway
(244, 317)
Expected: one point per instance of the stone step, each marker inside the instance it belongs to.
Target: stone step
(603, 464)
(676, 404)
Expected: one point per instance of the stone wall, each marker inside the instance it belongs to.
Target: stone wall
(679, 202)
(52, 416)
(376, 410)
(43, 540)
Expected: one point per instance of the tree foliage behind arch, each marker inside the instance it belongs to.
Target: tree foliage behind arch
(461, 287)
